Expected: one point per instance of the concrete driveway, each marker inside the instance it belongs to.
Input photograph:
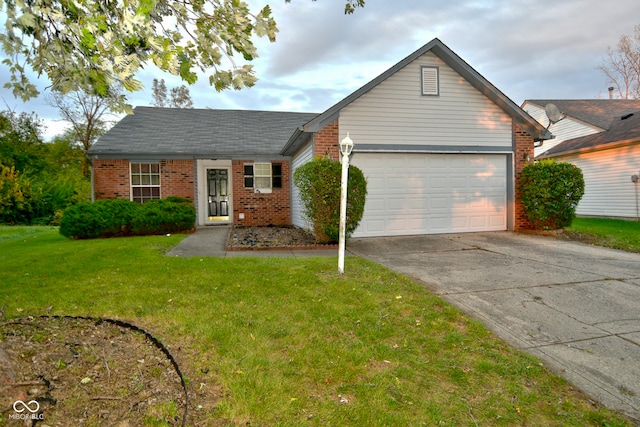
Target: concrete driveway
(575, 306)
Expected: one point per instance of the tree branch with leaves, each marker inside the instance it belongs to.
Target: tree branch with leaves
(96, 45)
(93, 46)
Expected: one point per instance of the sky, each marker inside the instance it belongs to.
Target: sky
(544, 49)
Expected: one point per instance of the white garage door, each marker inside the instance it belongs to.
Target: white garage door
(432, 193)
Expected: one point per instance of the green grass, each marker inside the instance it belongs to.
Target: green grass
(613, 233)
(290, 342)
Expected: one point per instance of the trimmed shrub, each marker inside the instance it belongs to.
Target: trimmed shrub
(164, 216)
(81, 221)
(319, 184)
(120, 217)
(550, 193)
(116, 216)
(104, 218)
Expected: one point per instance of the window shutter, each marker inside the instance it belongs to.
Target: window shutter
(248, 176)
(276, 175)
(430, 81)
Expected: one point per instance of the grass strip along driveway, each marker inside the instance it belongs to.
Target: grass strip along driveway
(268, 341)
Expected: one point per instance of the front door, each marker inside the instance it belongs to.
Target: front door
(218, 194)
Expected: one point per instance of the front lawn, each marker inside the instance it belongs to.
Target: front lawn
(289, 342)
(613, 233)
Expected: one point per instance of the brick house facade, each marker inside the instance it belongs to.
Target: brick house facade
(177, 178)
(237, 165)
(260, 209)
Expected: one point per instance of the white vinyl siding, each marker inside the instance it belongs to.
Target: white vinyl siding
(396, 112)
(303, 156)
(567, 128)
(609, 191)
(432, 193)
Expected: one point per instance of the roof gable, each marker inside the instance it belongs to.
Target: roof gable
(174, 132)
(452, 60)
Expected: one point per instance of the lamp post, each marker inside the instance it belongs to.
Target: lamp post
(346, 146)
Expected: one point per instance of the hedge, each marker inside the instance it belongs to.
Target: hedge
(120, 217)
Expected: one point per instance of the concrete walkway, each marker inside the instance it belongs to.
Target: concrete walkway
(211, 241)
(575, 306)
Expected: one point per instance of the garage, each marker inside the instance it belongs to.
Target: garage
(418, 193)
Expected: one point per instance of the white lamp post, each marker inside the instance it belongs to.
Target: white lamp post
(346, 146)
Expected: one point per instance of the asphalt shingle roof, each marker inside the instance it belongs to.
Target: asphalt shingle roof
(621, 130)
(598, 112)
(200, 132)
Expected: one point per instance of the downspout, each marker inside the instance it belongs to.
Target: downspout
(635, 179)
(93, 198)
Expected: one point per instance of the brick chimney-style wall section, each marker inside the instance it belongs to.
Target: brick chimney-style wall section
(523, 148)
(111, 179)
(260, 209)
(177, 178)
(327, 142)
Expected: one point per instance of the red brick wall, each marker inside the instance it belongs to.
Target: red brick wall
(523, 148)
(327, 142)
(260, 209)
(177, 178)
(111, 179)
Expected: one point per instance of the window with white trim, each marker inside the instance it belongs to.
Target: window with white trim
(430, 79)
(145, 181)
(263, 176)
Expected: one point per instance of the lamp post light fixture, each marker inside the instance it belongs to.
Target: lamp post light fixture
(346, 146)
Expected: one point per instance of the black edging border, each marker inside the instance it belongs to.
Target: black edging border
(131, 326)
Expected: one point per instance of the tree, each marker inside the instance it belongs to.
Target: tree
(96, 45)
(179, 96)
(86, 115)
(21, 143)
(622, 66)
(38, 179)
(159, 91)
(15, 191)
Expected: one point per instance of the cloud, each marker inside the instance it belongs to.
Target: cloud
(529, 50)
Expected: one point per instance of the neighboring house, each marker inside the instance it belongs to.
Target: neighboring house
(602, 138)
(440, 146)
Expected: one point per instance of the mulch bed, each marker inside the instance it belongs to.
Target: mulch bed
(81, 371)
(273, 238)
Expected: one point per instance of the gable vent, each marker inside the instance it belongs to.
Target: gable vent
(430, 81)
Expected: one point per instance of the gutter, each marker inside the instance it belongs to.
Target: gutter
(601, 147)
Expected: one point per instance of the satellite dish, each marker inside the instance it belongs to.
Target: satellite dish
(553, 114)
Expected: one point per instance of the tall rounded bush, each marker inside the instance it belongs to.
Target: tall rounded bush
(319, 184)
(550, 192)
